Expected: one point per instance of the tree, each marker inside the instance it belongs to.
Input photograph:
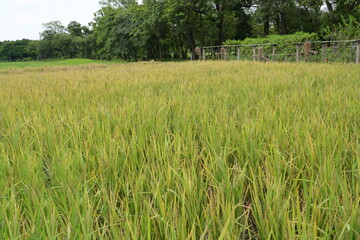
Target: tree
(158, 29)
(112, 29)
(264, 9)
(243, 19)
(32, 49)
(340, 9)
(310, 15)
(184, 19)
(15, 50)
(63, 43)
(52, 28)
(75, 29)
(150, 29)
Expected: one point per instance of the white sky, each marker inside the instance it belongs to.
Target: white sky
(24, 18)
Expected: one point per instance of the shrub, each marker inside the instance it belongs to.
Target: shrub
(279, 39)
(285, 49)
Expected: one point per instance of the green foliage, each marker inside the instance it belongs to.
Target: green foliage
(348, 29)
(286, 16)
(167, 29)
(284, 50)
(51, 29)
(17, 50)
(73, 41)
(171, 29)
(112, 33)
(340, 9)
(298, 37)
(56, 42)
(75, 29)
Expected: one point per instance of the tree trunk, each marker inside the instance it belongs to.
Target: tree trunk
(283, 23)
(220, 23)
(329, 6)
(160, 53)
(266, 25)
(191, 40)
(220, 27)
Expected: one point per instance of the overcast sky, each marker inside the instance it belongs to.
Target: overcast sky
(24, 18)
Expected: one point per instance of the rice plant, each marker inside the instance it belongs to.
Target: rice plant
(192, 150)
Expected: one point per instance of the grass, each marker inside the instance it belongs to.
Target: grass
(232, 150)
(31, 64)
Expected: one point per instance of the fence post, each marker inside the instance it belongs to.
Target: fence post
(324, 51)
(204, 54)
(212, 54)
(260, 54)
(307, 50)
(358, 52)
(223, 53)
(254, 52)
(297, 52)
(238, 53)
(273, 52)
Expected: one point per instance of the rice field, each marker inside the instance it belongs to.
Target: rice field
(192, 150)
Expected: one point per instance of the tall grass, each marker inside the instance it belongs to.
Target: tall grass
(201, 150)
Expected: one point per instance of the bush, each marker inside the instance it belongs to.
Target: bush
(279, 39)
(285, 49)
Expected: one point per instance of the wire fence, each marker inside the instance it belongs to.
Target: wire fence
(346, 51)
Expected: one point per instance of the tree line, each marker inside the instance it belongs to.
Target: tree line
(170, 29)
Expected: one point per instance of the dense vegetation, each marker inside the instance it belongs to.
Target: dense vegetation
(236, 150)
(160, 29)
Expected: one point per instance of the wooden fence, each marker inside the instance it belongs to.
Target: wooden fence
(319, 51)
